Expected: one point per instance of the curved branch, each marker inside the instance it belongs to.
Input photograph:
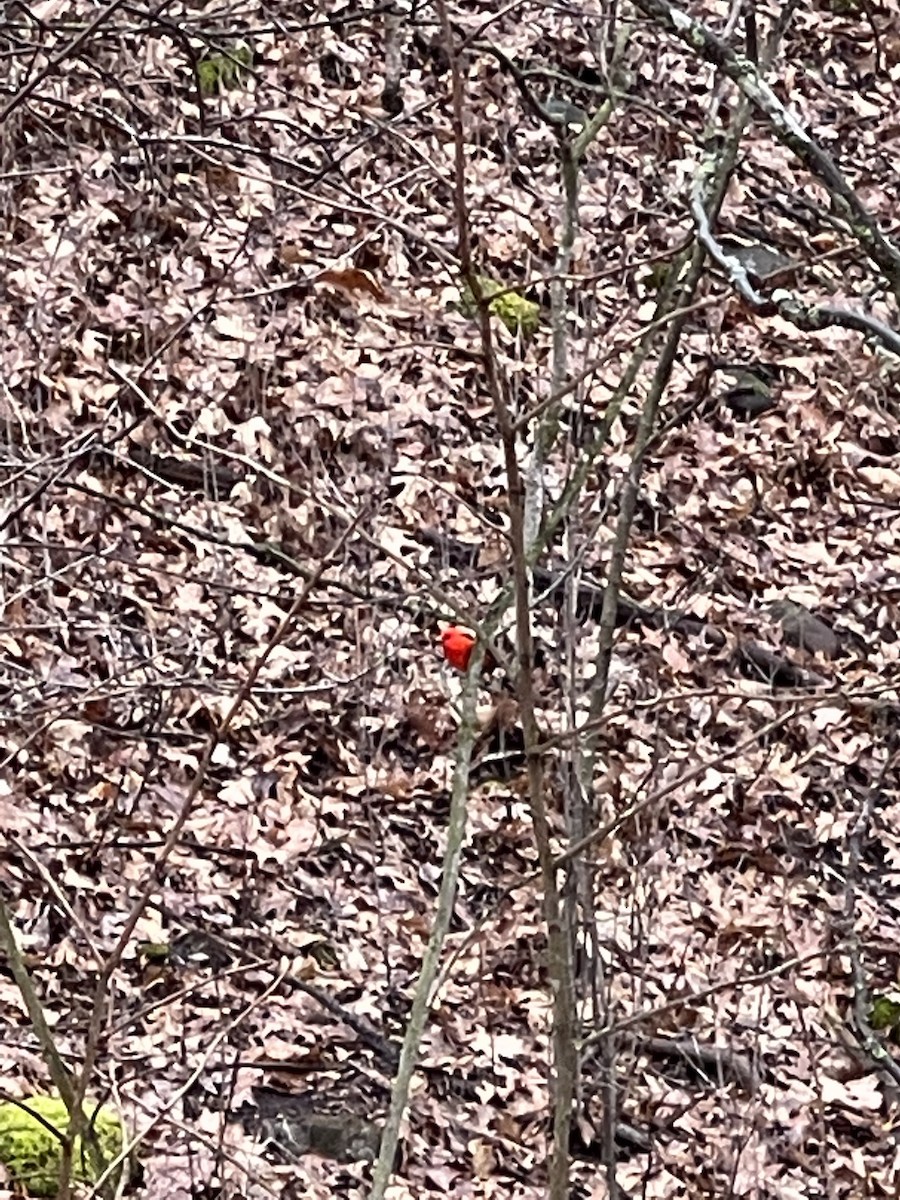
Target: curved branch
(809, 317)
(787, 129)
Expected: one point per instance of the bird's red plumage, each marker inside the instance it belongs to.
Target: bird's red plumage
(457, 645)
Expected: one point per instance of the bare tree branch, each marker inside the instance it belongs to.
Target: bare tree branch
(787, 129)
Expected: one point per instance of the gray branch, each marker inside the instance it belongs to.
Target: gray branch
(787, 128)
(809, 317)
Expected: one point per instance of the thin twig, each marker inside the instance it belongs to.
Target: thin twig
(151, 882)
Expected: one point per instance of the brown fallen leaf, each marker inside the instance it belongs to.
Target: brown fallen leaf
(291, 253)
(352, 279)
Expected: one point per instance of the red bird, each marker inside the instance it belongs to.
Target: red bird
(458, 645)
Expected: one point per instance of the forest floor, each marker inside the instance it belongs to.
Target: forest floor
(237, 374)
